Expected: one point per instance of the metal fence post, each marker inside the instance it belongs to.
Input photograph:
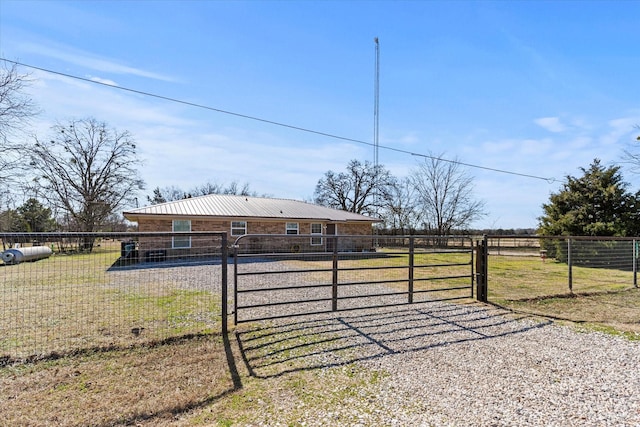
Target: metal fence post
(486, 271)
(472, 266)
(569, 265)
(235, 284)
(334, 279)
(481, 269)
(635, 263)
(225, 295)
(411, 268)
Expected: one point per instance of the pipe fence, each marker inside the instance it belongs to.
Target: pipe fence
(291, 275)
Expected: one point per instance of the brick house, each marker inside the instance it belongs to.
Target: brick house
(240, 215)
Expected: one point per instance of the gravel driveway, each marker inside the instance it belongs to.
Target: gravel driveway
(444, 364)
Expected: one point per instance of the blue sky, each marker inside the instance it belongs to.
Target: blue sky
(536, 88)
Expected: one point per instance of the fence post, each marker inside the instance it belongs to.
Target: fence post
(235, 284)
(225, 308)
(411, 268)
(570, 266)
(482, 255)
(635, 263)
(334, 280)
(472, 265)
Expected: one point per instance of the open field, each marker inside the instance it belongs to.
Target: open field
(513, 277)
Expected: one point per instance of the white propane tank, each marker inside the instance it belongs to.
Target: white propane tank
(18, 255)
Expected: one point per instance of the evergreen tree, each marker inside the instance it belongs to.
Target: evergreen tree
(32, 217)
(595, 204)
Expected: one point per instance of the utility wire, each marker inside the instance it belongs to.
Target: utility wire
(271, 122)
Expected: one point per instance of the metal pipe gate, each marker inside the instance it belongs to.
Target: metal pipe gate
(278, 276)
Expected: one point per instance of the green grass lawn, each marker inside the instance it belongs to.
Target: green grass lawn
(513, 277)
(602, 299)
(71, 302)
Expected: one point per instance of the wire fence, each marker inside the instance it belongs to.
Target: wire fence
(67, 292)
(62, 293)
(525, 267)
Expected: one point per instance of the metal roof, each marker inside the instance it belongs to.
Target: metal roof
(231, 206)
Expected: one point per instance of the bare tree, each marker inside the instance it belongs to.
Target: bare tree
(172, 193)
(166, 194)
(445, 195)
(632, 157)
(214, 188)
(400, 214)
(362, 189)
(16, 109)
(87, 171)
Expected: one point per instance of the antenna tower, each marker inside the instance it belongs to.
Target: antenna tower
(376, 104)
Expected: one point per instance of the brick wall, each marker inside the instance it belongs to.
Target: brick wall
(203, 246)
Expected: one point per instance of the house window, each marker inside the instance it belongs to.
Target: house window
(181, 242)
(316, 229)
(292, 228)
(238, 228)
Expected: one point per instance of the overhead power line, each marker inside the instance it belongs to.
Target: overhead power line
(272, 122)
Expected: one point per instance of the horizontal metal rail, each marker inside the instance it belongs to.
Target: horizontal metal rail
(422, 279)
(256, 285)
(423, 291)
(267, 272)
(285, 288)
(273, 304)
(457, 264)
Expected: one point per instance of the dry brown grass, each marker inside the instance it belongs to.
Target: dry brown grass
(613, 311)
(149, 385)
(198, 381)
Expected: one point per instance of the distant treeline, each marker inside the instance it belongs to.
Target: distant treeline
(470, 232)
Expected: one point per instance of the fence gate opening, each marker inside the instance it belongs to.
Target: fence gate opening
(290, 275)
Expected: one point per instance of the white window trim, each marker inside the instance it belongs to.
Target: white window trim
(315, 235)
(286, 228)
(173, 239)
(246, 226)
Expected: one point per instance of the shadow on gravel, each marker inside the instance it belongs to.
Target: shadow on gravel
(275, 349)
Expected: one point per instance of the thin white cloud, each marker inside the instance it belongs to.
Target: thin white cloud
(222, 158)
(552, 124)
(513, 149)
(497, 147)
(103, 81)
(87, 60)
(621, 130)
